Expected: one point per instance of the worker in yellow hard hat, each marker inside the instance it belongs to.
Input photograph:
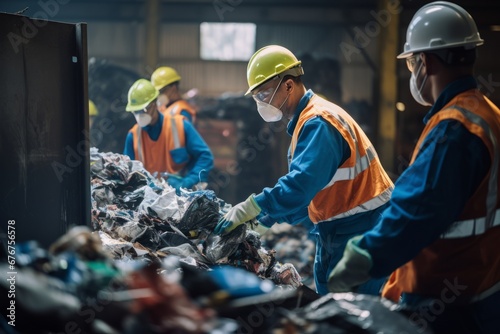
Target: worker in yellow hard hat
(167, 145)
(166, 80)
(93, 112)
(335, 178)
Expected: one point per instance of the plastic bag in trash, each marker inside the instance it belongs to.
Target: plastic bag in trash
(221, 247)
(202, 213)
(350, 313)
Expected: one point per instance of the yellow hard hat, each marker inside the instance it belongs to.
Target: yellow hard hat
(269, 62)
(164, 76)
(92, 109)
(140, 95)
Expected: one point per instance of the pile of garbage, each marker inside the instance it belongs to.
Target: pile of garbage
(153, 265)
(140, 217)
(77, 287)
(293, 244)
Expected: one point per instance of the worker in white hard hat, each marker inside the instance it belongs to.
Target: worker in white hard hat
(166, 80)
(168, 146)
(335, 178)
(439, 236)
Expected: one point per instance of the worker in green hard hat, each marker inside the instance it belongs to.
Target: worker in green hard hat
(335, 178)
(168, 146)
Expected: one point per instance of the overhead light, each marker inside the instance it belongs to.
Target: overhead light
(495, 27)
(400, 106)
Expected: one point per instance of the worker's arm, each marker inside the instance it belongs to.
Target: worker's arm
(320, 151)
(200, 154)
(186, 114)
(129, 146)
(301, 216)
(428, 197)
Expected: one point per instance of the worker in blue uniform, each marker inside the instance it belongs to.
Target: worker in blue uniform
(439, 236)
(168, 145)
(335, 177)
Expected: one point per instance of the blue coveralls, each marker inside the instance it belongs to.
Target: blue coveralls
(309, 171)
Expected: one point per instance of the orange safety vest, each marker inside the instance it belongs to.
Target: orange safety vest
(179, 105)
(466, 255)
(155, 155)
(360, 184)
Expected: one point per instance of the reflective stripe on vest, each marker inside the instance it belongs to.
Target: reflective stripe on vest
(471, 227)
(175, 133)
(139, 144)
(370, 205)
(477, 226)
(174, 110)
(349, 173)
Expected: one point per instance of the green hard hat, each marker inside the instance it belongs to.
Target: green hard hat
(140, 95)
(269, 62)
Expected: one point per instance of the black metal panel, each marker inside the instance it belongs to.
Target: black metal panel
(43, 133)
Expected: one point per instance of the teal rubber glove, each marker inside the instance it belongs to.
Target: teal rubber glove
(174, 181)
(237, 215)
(189, 182)
(352, 270)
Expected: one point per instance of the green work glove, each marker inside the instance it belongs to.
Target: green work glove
(352, 270)
(237, 215)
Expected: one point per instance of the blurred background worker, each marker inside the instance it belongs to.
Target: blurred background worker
(439, 236)
(166, 80)
(334, 173)
(93, 112)
(167, 145)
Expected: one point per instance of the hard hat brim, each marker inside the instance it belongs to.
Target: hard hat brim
(295, 70)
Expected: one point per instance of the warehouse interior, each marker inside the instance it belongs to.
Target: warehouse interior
(348, 50)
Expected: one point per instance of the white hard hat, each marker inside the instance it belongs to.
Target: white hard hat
(440, 25)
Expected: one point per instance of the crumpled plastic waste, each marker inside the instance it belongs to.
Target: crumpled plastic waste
(349, 313)
(167, 223)
(220, 248)
(202, 213)
(167, 307)
(293, 244)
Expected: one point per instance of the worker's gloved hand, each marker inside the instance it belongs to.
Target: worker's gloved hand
(175, 181)
(262, 224)
(258, 227)
(188, 182)
(352, 270)
(237, 215)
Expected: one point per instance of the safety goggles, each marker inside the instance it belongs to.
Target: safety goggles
(144, 110)
(411, 62)
(264, 94)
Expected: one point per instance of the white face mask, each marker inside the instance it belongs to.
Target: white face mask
(143, 119)
(414, 90)
(162, 101)
(268, 112)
